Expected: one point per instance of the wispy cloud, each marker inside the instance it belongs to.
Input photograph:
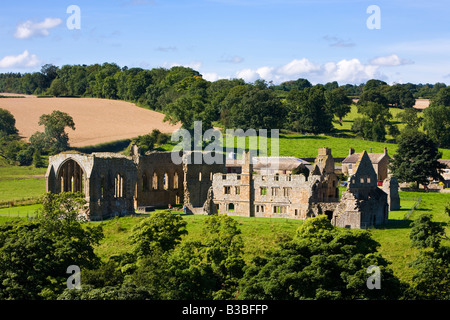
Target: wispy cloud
(390, 61)
(30, 29)
(343, 71)
(22, 60)
(196, 65)
(167, 49)
(338, 42)
(138, 2)
(231, 59)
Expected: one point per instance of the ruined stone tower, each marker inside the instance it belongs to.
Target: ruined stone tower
(363, 204)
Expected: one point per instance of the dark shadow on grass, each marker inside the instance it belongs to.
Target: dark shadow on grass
(396, 224)
(305, 137)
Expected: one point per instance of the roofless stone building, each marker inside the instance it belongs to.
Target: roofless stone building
(115, 184)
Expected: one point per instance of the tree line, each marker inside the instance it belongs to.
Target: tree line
(183, 95)
(318, 262)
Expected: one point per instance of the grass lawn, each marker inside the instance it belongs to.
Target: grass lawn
(20, 211)
(261, 234)
(21, 190)
(8, 171)
(394, 237)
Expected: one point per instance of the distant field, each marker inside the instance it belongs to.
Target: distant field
(422, 103)
(96, 120)
(21, 191)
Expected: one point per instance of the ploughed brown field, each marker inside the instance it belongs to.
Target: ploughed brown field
(96, 120)
(422, 103)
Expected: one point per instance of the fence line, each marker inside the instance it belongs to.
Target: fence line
(414, 207)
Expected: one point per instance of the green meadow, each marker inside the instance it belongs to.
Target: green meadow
(261, 234)
(21, 187)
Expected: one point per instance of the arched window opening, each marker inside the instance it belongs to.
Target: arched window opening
(119, 187)
(155, 181)
(71, 177)
(166, 181)
(175, 180)
(144, 183)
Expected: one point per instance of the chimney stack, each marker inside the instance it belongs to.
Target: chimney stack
(351, 151)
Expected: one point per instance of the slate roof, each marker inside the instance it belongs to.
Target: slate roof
(284, 163)
(374, 157)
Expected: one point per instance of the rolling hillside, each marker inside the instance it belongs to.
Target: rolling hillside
(96, 120)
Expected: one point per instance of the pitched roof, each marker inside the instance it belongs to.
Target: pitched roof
(445, 162)
(284, 163)
(374, 157)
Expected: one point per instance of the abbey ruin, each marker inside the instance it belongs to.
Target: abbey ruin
(116, 185)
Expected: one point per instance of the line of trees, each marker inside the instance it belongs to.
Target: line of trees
(319, 262)
(53, 140)
(183, 95)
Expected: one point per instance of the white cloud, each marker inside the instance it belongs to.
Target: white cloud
(196, 65)
(338, 42)
(343, 71)
(232, 59)
(22, 60)
(391, 60)
(29, 29)
(350, 71)
(211, 76)
(298, 67)
(248, 75)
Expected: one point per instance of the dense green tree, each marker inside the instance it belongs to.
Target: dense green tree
(373, 84)
(38, 161)
(411, 118)
(373, 96)
(25, 156)
(55, 123)
(308, 112)
(425, 233)
(338, 103)
(223, 247)
(416, 159)
(442, 98)
(400, 97)
(109, 89)
(7, 122)
(58, 88)
(34, 256)
(50, 73)
(436, 123)
(14, 150)
(161, 230)
(373, 125)
(137, 85)
(321, 262)
(257, 109)
(190, 108)
(299, 84)
(431, 279)
(329, 86)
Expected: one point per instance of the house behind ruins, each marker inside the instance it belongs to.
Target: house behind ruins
(380, 162)
(116, 184)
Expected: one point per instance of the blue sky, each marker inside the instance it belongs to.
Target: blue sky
(319, 40)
